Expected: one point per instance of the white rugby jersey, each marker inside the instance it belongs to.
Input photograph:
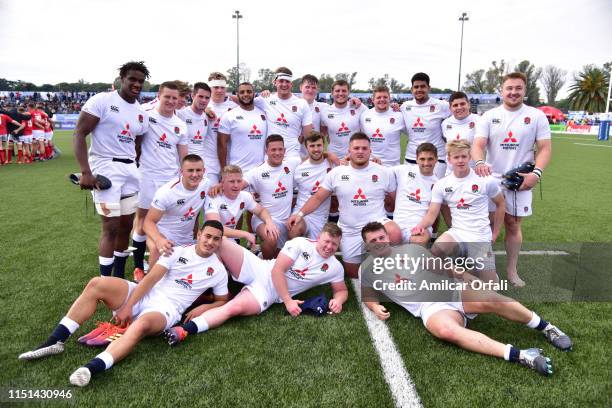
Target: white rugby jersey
(230, 210)
(413, 194)
(468, 200)
(275, 188)
(247, 130)
(120, 123)
(455, 129)
(286, 117)
(309, 268)
(511, 136)
(360, 192)
(424, 124)
(160, 157)
(189, 275)
(181, 208)
(384, 130)
(197, 132)
(315, 109)
(341, 123)
(307, 180)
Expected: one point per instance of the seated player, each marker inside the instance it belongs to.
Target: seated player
(149, 307)
(301, 265)
(307, 179)
(447, 320)
(467, 196)
(231, 203)
(414, 185)
(171, 219)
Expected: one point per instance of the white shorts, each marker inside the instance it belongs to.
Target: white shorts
(26, 139)
(147, 190)
(154, 301)
(476, 247)
(282, 228)
(38, 135)
(522, 199)
(48, 136)
(314, 225)
(428, 309)
(256, 274)
(406, 227)
(125, 178)
(4, 138)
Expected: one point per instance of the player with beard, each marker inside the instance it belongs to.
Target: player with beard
(164, 145)
(423, 117)
(307, 179)
(462, 124)
(302, 264)
(115, 121)
(361, 188)
(508, 134)
(287, 115)
(197, 121)
(243, 131)
(228, 207)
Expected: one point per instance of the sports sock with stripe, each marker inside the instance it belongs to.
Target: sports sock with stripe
(119, 264)
(140, 243)
(106, 266)
(62, 331)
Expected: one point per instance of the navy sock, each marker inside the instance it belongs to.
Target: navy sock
(333, 218)
(96, 365)
(515, 354)
(119, 266)
(190, 327)
(106, 270)
(139, 253)
(542, 325)
(60, 333)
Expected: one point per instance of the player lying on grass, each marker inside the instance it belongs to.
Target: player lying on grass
(301, 265)
(447, 320)
(153, 305)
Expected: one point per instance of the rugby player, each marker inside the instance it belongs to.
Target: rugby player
(115, 120)
(38, 131)
(467, 195)
(301, 265)
(197, 121)
(150, 307)
(5, 137)
(172, 218)
(164, 145)
(448, 320)
(26, 139)
(361, 188)
(508, 134)
(462, 123)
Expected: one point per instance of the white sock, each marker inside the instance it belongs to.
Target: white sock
(507, 352)
(107, 358)
(105, 261)
(121, 254)
(201, 323)
(534, 322)
(139, 238)
(70, 324)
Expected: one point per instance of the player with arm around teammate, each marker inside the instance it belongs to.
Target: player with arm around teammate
(301, 265)
(149, 307)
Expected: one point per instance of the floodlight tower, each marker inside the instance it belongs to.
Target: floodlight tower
(237, 16)
(464, 17)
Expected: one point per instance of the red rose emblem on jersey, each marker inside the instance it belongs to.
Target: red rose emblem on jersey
(294, 108)
(263, 117)
(324, 267)
(392, 120)
(317, 109)
(140, 118)
(527, 120)
(432, 108)
(474, 188)
(374, 178)
(286, 170)
(472, 124)
(202, 194)
(352, 112)
(210, 271)
(242, 205)
(177, 130)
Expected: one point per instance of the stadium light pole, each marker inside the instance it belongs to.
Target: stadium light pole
(237, 16)
(464, 17)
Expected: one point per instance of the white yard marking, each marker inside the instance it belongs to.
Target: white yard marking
(546, 253)
(589, 144)
(402, 388)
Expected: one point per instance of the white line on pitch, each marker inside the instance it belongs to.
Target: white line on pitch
(402, 388)
(548, 253)
(589, 144)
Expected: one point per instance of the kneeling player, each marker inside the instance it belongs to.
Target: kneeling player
(154, 305)
(447, 320)
(467, 196)
(301, 265)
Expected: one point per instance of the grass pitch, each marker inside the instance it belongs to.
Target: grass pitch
(49, 240)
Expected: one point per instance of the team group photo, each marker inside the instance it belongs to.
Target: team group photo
(302, 239)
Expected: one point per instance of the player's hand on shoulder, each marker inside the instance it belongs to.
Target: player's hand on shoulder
(395, 106)
(482, 169)
(293, 307)
(529, 181)
(164, 246)
(376, 160)
(215, 190)
(345, 161)
(210, 113)
(335, 306)
(356, 102)
(265, 93)
(381, 312)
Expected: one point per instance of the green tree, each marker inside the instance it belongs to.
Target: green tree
(494, 76)
(475, 82)
(553, 79)
(348, 77)
(265, 80)
(325, 82)
(590, 89)
(533, 75)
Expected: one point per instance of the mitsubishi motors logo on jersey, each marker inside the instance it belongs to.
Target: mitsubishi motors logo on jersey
(189, 215)
(280, 192)
(254, 133)
(343, 130)
(418, 125)
(281, 121)
(377, 136)
(185, 282)
(197, 138)
(462, 205)
(359, 199)
(125, 136)
(163, 142)
(298, 273)
(231, 222)
(416, 196)
(510, 142)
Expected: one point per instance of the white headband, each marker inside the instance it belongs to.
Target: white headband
(217, 82)
(282, 75)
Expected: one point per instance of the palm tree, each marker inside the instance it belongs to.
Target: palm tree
(590, 89)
